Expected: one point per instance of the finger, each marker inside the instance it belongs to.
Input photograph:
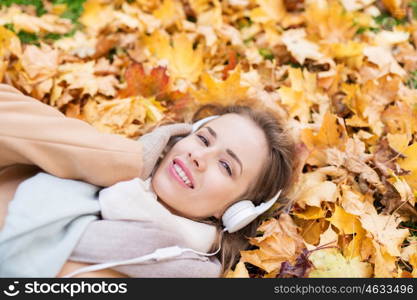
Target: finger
(177, 129)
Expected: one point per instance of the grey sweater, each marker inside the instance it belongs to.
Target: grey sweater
(51, 220)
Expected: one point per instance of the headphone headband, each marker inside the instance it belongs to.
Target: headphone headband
(201, 122)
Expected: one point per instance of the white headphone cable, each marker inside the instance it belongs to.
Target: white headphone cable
(158, 255)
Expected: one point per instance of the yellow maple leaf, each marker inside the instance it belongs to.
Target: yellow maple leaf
(354, 100)
(225, 92)
(410, 163)
(399, 119)
(268, 10)
(383, 229)
(332, 133)
(403, 189)
(385, 263)
(96, 15)
(311, 213)
(356, 161)
(356, 245)
(398, 141)
(280, 242)
(169, 12)
(239, 272)
(328, 238)
(396, 7)
(200, 6)
(120, 115)
(82, 76)
(183, 60)
(345, 222)
(328, 22)
(384, 60)
(300, 96)
(212, 17)
(351, 53)
(352, 201)
(314, 190)
(40, 63)
(331, 263)
(300, 47)
(9, 44)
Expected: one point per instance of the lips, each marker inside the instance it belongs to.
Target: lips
(187, 172)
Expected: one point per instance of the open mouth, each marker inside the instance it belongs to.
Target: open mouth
(180, 175)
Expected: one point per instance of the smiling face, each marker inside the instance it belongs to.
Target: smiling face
(205, 172)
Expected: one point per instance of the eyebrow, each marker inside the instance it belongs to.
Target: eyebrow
(230, 152)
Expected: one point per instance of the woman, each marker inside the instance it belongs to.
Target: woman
(243, 154)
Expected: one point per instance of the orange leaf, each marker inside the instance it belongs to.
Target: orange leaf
(231, 64)
(146, 85)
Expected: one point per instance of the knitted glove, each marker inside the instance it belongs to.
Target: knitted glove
(155, 142)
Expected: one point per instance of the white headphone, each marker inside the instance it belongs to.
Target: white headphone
(241, 213)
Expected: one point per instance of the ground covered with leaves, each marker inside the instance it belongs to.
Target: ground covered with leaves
(342, 73)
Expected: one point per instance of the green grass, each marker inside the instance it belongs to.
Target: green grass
(411, 225)
(412, 80)
(40, 9)
(73, 12)
(266, 53)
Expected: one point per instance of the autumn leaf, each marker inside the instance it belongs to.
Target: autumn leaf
(239, 272)
(9, 44)
(169, 12)
(300, 269)
(329, 23)
(40, 63)
(300, 96)
(280, 242)
(383, 229)
(184, 61)
(385, 265)
(314, 190)
(331, 134)
(397, 8)
(119, 116)
(146, 85)
(268, 10)
(330, 263)
(155, 84)
(96, 15)
(225, 92)
(311, 213)
(345, 222)
(82, 76)
(296, 42)
(409, 163)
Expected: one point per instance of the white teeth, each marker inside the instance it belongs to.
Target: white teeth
(181, 173)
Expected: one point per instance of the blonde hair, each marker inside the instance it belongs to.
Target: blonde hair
(276, 174)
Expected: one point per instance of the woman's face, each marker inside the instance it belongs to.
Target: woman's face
(205, 172)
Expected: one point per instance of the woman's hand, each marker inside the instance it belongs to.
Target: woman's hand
(155, 142)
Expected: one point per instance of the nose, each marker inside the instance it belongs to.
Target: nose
(200, 158)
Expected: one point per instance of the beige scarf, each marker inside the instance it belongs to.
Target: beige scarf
(135, 200)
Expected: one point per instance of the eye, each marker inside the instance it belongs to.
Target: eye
(226, 166)
(204, 140)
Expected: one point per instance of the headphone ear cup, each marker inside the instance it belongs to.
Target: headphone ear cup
(239, 215)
